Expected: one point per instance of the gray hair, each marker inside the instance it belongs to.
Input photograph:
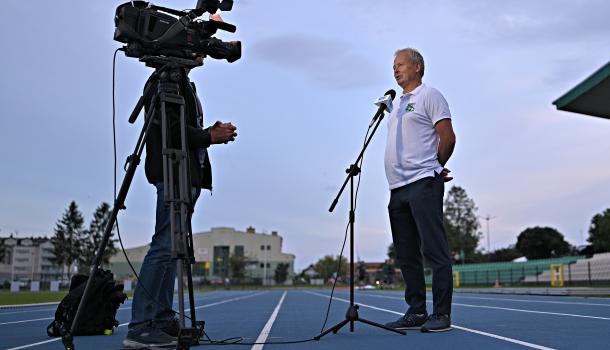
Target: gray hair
(414, 56)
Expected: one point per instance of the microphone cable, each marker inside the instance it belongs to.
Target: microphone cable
(332, 291)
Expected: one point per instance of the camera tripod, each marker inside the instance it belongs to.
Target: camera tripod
(162, 89)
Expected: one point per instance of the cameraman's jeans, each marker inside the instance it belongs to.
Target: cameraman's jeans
(158, 272)
(416, 218)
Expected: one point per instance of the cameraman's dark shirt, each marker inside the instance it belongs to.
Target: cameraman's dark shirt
(198, 139)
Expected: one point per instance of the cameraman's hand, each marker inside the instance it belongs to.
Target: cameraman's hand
(216, 17)
(222, 133)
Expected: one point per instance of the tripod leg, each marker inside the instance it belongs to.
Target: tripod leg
(333, 329)
(378, 325)
(119, 203)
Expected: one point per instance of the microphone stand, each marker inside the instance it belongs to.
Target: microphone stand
(352, 312)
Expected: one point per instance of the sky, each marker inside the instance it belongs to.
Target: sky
(301, 97)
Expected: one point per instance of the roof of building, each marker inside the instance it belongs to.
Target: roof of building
(590, 96)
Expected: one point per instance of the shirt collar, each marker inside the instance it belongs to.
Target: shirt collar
(414, 92)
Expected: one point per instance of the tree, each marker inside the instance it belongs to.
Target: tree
(329, 265)
(461, 222)
(391, 251)
(599, 232)
(281, 273)
(237, 266)
(509, 253)
(541, 243)
(92, 238)
(67, 237)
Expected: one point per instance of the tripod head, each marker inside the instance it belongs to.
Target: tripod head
(162, 64)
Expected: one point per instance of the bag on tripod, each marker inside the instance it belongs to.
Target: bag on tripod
(105, 297)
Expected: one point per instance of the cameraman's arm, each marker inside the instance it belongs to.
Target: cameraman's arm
(200, 138)
(217, 133)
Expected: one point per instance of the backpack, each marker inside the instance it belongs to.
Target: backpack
(98, 315)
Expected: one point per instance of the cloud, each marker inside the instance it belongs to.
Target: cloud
(541, 22)
(328, 62)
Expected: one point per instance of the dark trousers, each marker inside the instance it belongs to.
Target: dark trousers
(416, 218)
(154, 295)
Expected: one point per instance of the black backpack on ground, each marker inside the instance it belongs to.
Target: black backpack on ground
(98, 317)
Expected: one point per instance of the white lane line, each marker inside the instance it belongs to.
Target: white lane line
(28, 305)
(4, 307)
(495, 336)
(262, 337)
(24, 321)
(228, 300)
(508, 309)
(510, 340)
(119, 309)
(527, 300)
(533, 301)
(34, 344)
(24, 312)
(126, 323)
(532, 311)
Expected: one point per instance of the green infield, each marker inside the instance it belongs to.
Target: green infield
(26, 297)
(17, 298)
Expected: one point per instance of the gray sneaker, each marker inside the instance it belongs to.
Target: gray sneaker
(148, 337)
(437, 323)
(408, 321)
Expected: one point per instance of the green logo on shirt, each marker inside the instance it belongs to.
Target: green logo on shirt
(410, 107)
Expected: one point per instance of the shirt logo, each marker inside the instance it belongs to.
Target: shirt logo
(410, 107)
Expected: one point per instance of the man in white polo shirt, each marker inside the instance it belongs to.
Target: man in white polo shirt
(420, 142)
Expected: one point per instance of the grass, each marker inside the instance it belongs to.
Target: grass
(27, 297)
(8, 298)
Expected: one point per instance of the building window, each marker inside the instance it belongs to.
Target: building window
(239, 251)
(262, 266)
(268, 247)
(262, 247)
(221, 261)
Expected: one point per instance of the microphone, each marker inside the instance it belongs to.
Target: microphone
(384, 103)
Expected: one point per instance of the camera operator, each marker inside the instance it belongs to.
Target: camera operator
(153, 322)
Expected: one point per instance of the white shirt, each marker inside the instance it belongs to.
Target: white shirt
(412, 147)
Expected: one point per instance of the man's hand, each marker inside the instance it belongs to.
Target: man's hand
(222, 133)
(216, 17)
(445, 175)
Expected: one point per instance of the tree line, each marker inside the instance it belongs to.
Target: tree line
(462, 224)
(75, 245)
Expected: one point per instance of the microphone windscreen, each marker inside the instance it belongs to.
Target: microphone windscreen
(391, 92)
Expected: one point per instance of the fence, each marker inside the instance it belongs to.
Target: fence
(567, 271)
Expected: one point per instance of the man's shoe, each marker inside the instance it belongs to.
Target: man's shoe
(437, 323)
(408, 321)
(148, 337)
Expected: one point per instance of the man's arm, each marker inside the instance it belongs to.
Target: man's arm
(444, 129)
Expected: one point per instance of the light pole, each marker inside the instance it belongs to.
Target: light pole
(488, 218)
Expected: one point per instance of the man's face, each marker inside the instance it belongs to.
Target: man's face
(404, 70)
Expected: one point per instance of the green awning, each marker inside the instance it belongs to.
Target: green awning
(591, 97)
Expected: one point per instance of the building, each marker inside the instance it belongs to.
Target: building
(213, 250)
(590, 97)
(27, 259)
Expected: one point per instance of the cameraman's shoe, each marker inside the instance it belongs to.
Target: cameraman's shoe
(408, 321)
(171, 327)
(148, 337)
(437, 323)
